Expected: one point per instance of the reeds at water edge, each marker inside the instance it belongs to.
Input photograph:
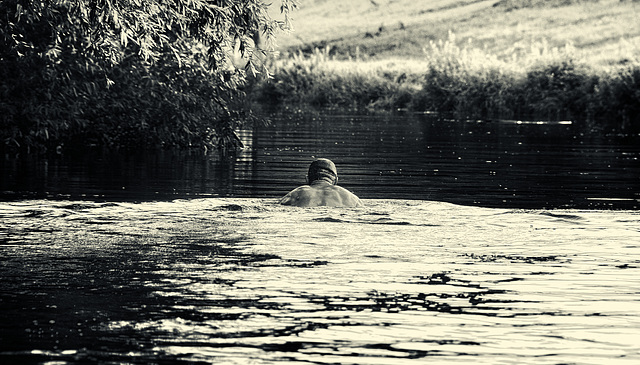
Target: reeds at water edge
(456, 78)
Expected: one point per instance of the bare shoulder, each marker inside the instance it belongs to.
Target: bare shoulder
(295, 195)
(301, 189)
(347, 198)
(328, 195)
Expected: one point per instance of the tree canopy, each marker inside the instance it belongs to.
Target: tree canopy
(128, 72)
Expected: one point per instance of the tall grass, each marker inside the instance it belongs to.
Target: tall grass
(319, 80)
(544, 82)
(541, 82)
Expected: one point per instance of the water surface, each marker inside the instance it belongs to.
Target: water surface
(232, 280)
(482, 163)
(481, 242)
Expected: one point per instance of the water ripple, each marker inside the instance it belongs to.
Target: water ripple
(247, 280)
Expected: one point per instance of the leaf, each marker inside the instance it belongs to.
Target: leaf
(123, 38)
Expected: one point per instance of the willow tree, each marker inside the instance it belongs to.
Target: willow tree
(128, 72)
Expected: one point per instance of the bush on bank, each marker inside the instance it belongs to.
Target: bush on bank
(140, 106)
(320, 81)
(132, 74)
(544, 84)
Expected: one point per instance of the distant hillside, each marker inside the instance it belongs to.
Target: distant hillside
(604, 31)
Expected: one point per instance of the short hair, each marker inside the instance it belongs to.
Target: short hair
(323, 168)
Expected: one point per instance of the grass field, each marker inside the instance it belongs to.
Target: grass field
(604, 32)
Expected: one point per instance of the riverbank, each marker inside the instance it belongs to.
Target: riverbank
(526, 59)
(464, 82)
(573, 60)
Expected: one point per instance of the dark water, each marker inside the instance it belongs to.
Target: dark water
(483, 163)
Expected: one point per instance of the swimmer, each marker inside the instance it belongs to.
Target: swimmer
(322, 189)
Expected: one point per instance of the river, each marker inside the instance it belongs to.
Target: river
(516, 164)
(479, 242)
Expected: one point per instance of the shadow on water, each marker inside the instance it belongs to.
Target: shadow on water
(125, 304)
(65, 293)
(483, 163)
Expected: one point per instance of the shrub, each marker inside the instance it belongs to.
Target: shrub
(559, 91)
(619, 99)
(320, 81)
(126, 73)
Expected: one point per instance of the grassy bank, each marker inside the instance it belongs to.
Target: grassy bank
(468, 77)
(546, 83)
(607, 32)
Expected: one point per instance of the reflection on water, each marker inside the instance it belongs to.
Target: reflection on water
(484, 163)
(229, 280)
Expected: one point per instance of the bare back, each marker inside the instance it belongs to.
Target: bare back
(321, 194)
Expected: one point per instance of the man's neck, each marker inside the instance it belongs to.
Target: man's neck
(322, 181)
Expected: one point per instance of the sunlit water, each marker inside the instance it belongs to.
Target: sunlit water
(246, 281)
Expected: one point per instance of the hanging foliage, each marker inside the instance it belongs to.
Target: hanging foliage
(123, 73)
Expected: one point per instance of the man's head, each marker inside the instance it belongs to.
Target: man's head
(323, 169)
